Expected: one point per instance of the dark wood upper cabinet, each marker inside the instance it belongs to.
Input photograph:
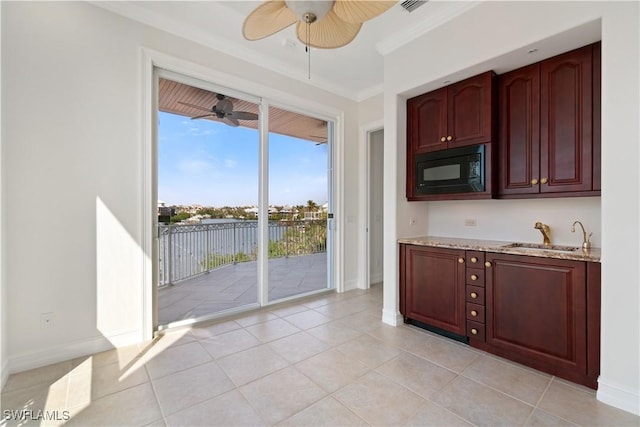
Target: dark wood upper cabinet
(566, 142)
(519, 121)
(549, 115)
(432, 287)
(453, 116)
(427, 121)
(471, 111)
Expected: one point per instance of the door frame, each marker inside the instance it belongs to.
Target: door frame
(151, 60)
(364, 201)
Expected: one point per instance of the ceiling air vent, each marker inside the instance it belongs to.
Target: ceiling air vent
(411, 5)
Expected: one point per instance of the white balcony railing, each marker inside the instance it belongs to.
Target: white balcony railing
(187, 250)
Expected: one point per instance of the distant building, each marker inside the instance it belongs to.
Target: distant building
(164, 212)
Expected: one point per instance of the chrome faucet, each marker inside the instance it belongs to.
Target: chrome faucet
(586, 240)
(546, 232)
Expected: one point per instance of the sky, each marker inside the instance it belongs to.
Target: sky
(212, 164)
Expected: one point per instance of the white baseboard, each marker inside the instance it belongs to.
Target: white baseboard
(4, 376)
(375, 278)
(392, 317)
(618, 396)
(350, 285)
(64, 352)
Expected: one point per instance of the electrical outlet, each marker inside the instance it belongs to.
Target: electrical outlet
(470, 222)
(46, 319)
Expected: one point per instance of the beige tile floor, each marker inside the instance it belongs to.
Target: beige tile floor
(324, 361)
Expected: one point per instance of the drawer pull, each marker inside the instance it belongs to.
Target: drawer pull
(474, 313)
(474, 277)
(443, 139)
(461, 260)
(474, 331)
(474, 260)
(449, 138)
(487, 264)
(474, 295)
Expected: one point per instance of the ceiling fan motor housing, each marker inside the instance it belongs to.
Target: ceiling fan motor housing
(310, 11)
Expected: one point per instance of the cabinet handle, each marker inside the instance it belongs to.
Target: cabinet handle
(474, 313)
(443, 139)
(474, 295)
(534, 181)
(449, 138)
(544, 181)
(461, 260)
(487, 264)
(474, 277)
(474, 331)
(474, 260)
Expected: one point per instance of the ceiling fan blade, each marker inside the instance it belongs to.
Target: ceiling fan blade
(268, 18)
(242, 115)
(198, 107)
(331, 32)
(359, 11)
(231, 122)
(202, 116)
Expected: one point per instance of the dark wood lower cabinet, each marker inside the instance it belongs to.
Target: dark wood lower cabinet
(538, 313)
(433, 286)
(541, 312)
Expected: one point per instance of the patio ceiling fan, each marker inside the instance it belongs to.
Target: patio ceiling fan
(321, 23)
(223, 110)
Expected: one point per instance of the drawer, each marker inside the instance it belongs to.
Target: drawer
(475, 259)
(475, 312)
(475, 330)
(475, 294)
(475, 276)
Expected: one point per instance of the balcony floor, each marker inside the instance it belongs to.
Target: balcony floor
(233, 286)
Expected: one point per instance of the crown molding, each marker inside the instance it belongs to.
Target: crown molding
(173, 26)
(443, 15)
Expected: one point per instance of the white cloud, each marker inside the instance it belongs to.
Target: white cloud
(230, 163)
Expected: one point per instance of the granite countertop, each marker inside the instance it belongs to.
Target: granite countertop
(593, 255)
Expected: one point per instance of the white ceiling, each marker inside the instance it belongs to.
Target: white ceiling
(354, 71)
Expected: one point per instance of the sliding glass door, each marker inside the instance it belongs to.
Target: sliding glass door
(237, 229)
(298, 205)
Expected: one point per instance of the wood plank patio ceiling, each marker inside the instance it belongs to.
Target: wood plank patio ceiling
(280, 121)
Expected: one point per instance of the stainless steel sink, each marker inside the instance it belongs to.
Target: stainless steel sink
(540, 247)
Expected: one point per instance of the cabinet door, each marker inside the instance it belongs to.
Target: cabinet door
(434, 287)
(519, 118)
(536, 311)
(470, 108)
(566, 122)
(427, 121)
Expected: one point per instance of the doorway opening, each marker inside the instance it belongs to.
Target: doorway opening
(375, 206)
(225, 210)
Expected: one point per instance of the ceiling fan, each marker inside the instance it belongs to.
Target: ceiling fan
(223, 110)
(321, 23)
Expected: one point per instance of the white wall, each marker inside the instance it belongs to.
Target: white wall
(72, 92)
(448, 218)
(489, 36)
(4, 371)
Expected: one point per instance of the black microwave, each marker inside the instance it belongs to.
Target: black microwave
(455, 170)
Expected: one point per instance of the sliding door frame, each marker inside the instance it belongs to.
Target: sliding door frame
(154, 61)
